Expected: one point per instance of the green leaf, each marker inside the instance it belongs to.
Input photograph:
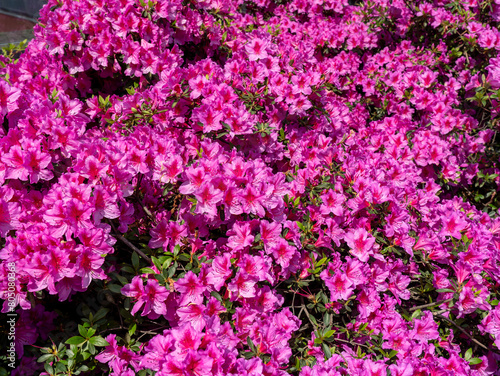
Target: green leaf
(132, 329)
(76, 340)
(82, 331)
(475, 361)
(216, 295)
(177, 248)
(135, 260)
(99, 341)
(329, 333)
(392, 354)
(44, 357)
(296, 202)
(363, 327)
(160, 278)
(60, 367)
(48, 369)
(445, 290)
(468, 354)
(100, 314)
(322, 261)
(122, 279)
(326, 319)
(167, 263)
(91, 348)
(86, 355)
(251, 345)
(171, 271)
(318, 341)
(82, 369)
(313, 320)
(115, 288)
(90, 332)
(156, 262)
(326, 350)
(184, 257)
(128, 269)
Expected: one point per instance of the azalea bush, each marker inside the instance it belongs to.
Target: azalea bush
(265, 187)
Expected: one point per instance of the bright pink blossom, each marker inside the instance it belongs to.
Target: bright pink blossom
(361, 243)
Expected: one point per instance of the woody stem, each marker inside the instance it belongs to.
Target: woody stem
(439, 302)
(467, 334)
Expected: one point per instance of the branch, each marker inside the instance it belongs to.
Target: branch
(130, 245)
(352, 343)
(145, 332)
(307, 315)
(146, 210)
(133, 247)
(439, 302)
(467, 334)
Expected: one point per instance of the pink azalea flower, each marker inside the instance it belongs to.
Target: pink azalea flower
(78, 213)
(355, 271)
(89, 266)
(283, 252)
(187, 338)
(340, 287)
(104, 203)
(196, 177)
(14, 161)
(191, 289)
(251, 201)
(221, 270)
(193, 313)
(255, 266)
(425, 328)
(208, 197)
(372, 368)
(167, 234)
(111, 351)
(9, 214)
(361, 243)
(240, 236)
(256, 49)
(152, 297)
(214, 307)
(332, 203)
(208, 117)
(8, 98)
(197, 84)
(196, 364)
(269, 233)
(452, 225)
(118, 357)
(491, 324)
(167, 169)
(242, 285)
(172, 367)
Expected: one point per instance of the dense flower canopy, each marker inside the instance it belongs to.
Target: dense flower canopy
(254, 187)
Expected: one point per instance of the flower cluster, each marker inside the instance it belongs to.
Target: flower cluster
(306, 187)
